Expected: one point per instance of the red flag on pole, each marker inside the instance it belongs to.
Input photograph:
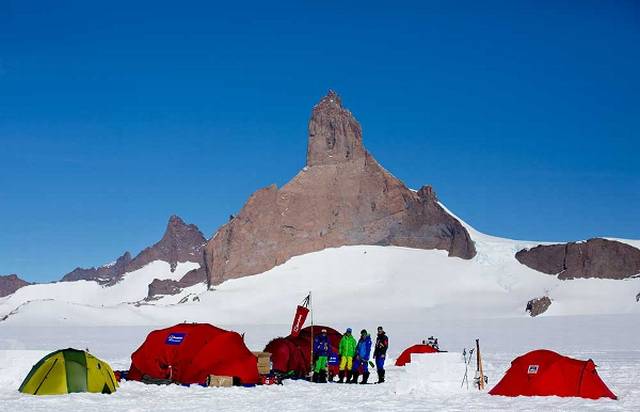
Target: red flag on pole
(300, 317)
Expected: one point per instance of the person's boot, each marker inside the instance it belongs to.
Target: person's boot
(341, 377)
(349, 375)
(322, 376)
(354, 377)
(365, 378)
(381, 376)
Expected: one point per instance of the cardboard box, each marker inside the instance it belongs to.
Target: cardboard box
(220, 381)
(264, 362)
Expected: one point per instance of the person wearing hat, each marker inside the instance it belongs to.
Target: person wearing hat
(380, 353)
(361, 362)
(321, 353)
(346, 350)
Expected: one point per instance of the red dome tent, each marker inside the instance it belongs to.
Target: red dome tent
(189, 353)
(292, 354)
(547, 373)
(405, 356)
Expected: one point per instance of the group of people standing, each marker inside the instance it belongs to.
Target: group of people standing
(354, 357)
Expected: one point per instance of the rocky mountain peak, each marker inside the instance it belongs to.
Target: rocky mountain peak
(332, 98)
(102, 274)
(426, 194)
(11, 283)
(181, 242)
(175, 221)
(335, 136)
(343, 197)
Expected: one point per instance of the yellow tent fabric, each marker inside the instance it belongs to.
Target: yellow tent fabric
(68, 371)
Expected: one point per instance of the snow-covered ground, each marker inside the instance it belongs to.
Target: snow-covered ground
(348, 283)
(611, 340)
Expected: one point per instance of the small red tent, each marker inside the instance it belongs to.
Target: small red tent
(189, 353)
(292, 354)
(547, 373)
(405, 356)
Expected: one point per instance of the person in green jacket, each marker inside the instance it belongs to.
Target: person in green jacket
(347, 351)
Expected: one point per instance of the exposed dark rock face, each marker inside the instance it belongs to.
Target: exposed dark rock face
(11, 283)
(181, 242)
(342, 197)
(595, 258)
(103, 274)
(538, 306)
(172, 287)
(163, 287)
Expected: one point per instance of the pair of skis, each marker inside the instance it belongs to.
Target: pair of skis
(480, 380)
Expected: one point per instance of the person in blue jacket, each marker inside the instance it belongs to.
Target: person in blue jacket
(321, 352)
(361, 361)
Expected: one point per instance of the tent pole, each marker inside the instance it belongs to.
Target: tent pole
(311, 310)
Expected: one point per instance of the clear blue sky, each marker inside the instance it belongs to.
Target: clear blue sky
(524, 116)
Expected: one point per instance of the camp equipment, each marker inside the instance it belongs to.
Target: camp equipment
(480, 379)
(405, 356)
(67, 371)
(264, 362)
(547, 373)
(290, 355)
(466, 356)
(189, 353)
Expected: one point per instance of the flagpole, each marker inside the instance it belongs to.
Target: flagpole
(311, 310)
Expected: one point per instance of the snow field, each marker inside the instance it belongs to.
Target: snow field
(612, 341)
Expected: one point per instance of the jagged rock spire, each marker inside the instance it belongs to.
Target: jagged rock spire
(343, 197)
(335, 135)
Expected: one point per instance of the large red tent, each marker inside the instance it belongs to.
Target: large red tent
(292, 354)
(405, 356)
(547, 373)
(189, 352)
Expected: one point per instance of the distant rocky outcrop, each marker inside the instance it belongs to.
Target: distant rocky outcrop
(162, 287)
(10, 283)
(172, 287)
(181, 242)
(538, 306)
(595, 258)
(103, 274)
(341, 197)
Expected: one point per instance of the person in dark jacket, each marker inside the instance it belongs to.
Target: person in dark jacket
(380, 353)
(361, 362)
(321, 353)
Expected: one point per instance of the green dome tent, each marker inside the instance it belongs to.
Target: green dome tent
(68, 371)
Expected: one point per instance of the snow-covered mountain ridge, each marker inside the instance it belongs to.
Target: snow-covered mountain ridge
(349, 283)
